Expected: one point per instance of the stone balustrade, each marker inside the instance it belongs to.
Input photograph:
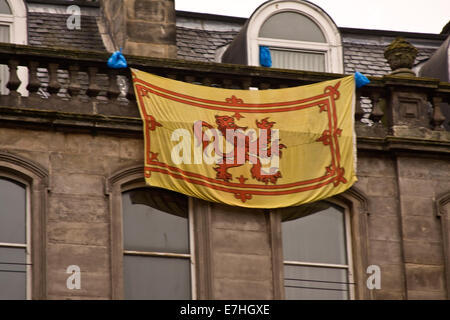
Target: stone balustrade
(80, 83)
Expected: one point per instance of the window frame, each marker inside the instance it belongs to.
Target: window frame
(285, 46)
(349, 251)
(332, 49)
(190, 256)
(35, 180)
(27, 244)
(353, 199)
(355, 202)
(131, 178)
(17, 21)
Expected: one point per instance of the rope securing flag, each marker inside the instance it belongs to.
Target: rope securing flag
(256, 149)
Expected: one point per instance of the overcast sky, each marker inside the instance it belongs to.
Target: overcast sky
(426, 16)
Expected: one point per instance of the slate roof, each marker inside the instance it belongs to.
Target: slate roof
(50, 30)
(369, 59)
(201, 45)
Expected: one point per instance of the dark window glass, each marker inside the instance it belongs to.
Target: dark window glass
(318, 237)
(13, 275)
(315, 234)
(12, 212)
(156, 221)
(291, 26)
(4, 7)
(156, 278)
(312, 283)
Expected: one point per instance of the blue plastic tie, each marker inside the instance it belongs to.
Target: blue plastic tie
(360, 80)
(117, 60)
(265, 58)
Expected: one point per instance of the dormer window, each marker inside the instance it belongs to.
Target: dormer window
(6, 19)
(13, 26)
(299, 35)
(295, 42)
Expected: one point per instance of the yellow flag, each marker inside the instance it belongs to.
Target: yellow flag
(249, 148)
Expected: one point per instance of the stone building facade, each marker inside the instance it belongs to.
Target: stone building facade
(72, 141)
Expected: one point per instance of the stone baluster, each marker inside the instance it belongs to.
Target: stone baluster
(264, 86)
(33, 80)
(14, 81)
(246, 83)
(113, 89)
(189, 79)
(74, 85)
(207, 81)
(53, 84)
(359, 112)
(93, 88)
(131, 95)
(227, 83)
(377, 112)
(438, 118)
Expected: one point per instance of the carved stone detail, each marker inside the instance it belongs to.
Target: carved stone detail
(401, 55)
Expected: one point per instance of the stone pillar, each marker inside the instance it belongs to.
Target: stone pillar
(407, 113)
(142, 27)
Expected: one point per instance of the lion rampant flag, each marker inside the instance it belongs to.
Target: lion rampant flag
(248, 148)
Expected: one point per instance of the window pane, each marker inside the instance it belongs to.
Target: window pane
(156, 278)
(12, 212)
(319, 237)
(323, 286)
(4, 7)
(4, 34)
(291, 26)
(154, 221)
(12, 276)
(298, 60)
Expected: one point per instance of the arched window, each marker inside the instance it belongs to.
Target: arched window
(13, 27)
(157, 257)
(6, 16)
(299, 35)
(317, 252)
(15, 257)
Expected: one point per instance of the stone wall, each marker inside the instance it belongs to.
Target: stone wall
(405, 230)
(405, 233)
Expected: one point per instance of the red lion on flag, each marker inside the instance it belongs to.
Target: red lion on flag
(264, 149)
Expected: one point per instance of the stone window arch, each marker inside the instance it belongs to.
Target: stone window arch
(119, 186)
(354, 206)
(33, 180)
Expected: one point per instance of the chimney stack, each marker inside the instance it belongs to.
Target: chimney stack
(142, 27)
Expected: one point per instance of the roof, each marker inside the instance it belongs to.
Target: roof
(369, 59)
(201, 36)
(201, 45)
(50, 30)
